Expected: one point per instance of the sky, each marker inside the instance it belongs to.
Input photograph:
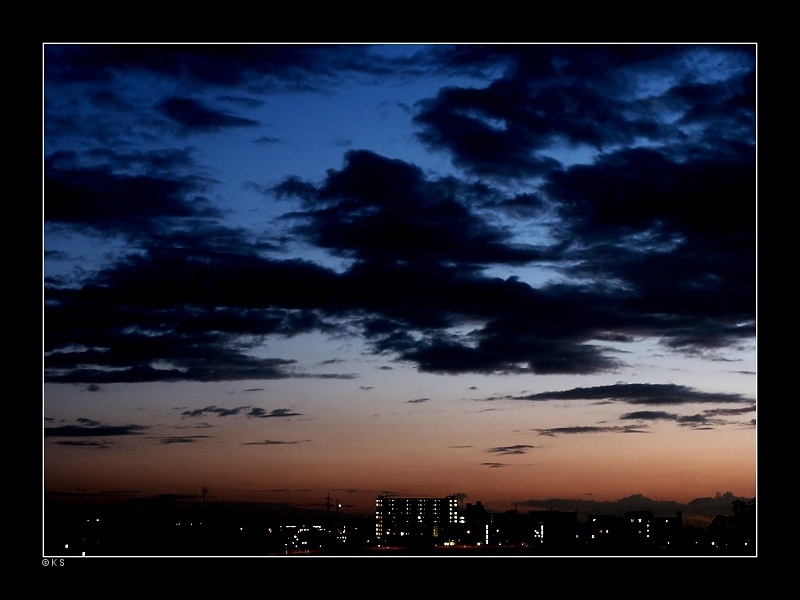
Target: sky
(512, 272)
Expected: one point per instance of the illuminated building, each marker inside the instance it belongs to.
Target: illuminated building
(414, 521)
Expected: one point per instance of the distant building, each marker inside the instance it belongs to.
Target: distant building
(474, 525)
(552, 529)
(603, 530)
(635, 529)
(543, 529)
(642, 527)
(414, 521)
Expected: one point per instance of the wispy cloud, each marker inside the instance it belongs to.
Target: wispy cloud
(418, 401)
(516, 449)
(188, 439)
(275, 443)
(553, 431)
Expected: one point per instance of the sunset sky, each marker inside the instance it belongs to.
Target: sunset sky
(512, 272)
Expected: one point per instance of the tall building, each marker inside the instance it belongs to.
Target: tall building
(414, 521)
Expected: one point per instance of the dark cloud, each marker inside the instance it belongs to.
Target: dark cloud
(274, 443)
(164, 162)
(374, 206)
(473, 126)
(189, 439)
(267, 139)
(88, 428)
(214, 410)
(102, 200)
(526, 330)
(55, 255)
(519, 206)
(86, 444)
(727, 106)
(706, 419)
(697, 265)
(514, 355)
(252, 67)
(645, 191)
(656, 240)
(516, 449)
(591, 96)
(632, 216)
(192, 116)
(260, 413)
(553, 431)
(206, 334)
(730, 412)
(649, 415)
(202, 425)
(418, 401)
(639, 393)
